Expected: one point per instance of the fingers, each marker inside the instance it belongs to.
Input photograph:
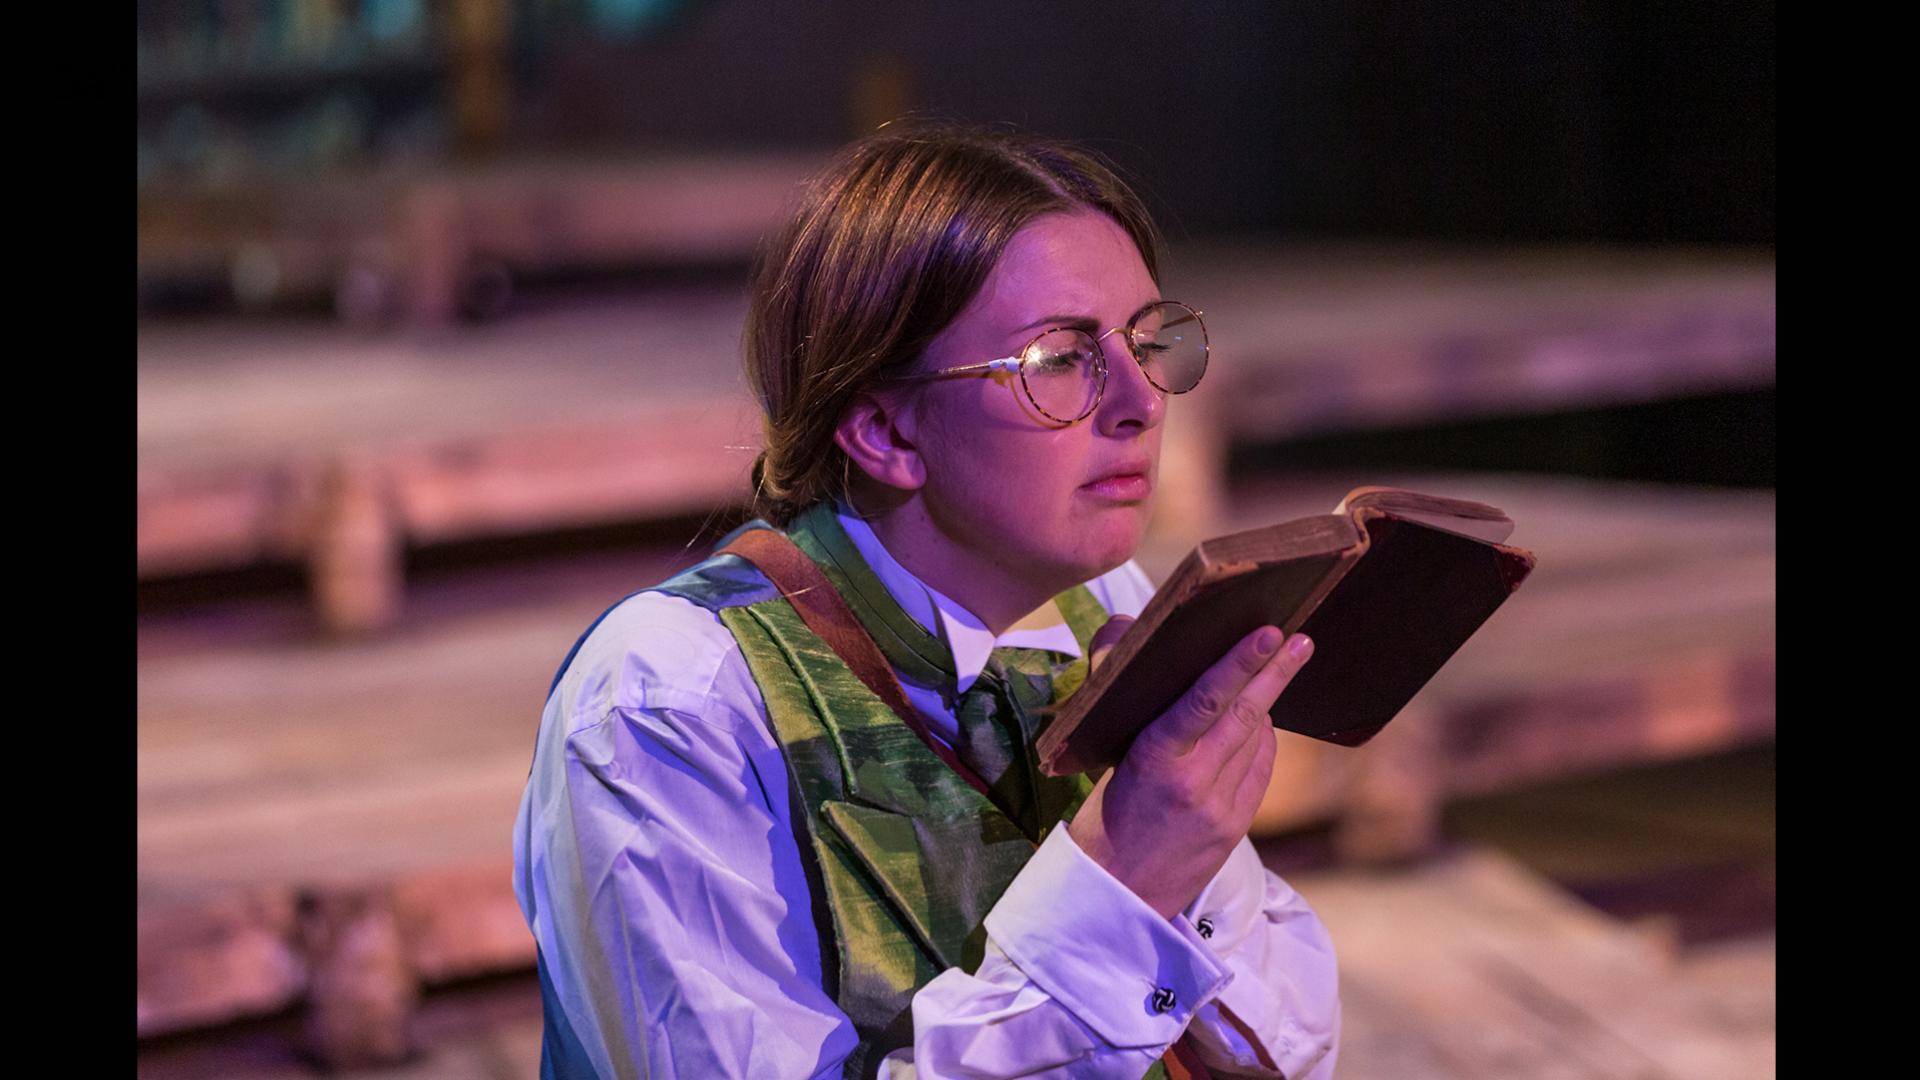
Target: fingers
(1105, 638)
(1216, 691)
(1257, 754)
(1236, 742)
(1263, 689)
(1246, 751)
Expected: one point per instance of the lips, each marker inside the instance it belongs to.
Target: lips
(1130, 480)
(1140, 467)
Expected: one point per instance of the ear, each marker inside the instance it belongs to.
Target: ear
(876, 433)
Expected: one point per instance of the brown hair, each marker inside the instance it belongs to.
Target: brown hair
(889, 244)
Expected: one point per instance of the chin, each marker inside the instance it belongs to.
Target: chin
(1111, 539)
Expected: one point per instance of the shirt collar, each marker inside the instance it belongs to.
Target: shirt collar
(965, 636)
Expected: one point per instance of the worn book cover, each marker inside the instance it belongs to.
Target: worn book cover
(1388, 586)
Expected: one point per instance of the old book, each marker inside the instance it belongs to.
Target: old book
(1388, 586)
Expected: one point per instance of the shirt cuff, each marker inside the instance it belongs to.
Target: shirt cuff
(1288, 1001)
(1133, 977)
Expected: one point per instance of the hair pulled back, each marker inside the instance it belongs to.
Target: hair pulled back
(889, 244)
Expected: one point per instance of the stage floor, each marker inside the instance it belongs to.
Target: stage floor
(1470, 966)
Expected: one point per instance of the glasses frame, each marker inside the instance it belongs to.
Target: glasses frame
(1017, 362)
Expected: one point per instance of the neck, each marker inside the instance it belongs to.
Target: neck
(983, 583)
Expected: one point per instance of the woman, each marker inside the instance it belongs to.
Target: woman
(784, 817)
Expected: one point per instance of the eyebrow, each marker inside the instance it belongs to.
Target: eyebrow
(1074, 322)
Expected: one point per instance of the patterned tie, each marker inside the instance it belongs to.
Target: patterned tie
(1003, 711)
(999, 717)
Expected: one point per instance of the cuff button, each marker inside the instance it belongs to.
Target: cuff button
(1205, 926)
(1162, 1000)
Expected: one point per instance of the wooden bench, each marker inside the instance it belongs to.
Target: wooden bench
(323, 446)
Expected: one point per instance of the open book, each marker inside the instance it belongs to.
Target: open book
(1388, 586)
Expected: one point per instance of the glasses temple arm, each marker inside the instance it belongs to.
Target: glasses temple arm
(1005, 363)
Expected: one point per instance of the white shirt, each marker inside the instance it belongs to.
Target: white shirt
(656, 864)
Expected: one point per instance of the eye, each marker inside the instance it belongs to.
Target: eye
(1052, 363)
(1059, 353)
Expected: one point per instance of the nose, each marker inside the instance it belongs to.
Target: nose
(1130, 400)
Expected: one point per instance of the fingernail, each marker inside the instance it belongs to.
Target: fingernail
(1300, 647)
(1268, 642)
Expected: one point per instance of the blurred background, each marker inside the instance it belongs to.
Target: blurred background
(439, 313)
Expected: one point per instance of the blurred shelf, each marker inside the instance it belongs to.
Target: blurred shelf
(423, 244)
(164, 85)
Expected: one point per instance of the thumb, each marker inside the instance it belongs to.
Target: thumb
(1105, 638)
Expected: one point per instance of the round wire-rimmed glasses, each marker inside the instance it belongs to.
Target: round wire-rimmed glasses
(1063, 370)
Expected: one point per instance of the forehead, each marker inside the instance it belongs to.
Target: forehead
(1078, 262)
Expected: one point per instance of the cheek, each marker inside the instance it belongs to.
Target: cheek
(1004, 485)
(1007, 486)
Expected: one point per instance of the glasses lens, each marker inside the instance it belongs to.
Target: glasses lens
(1171, 342)
(1061, 373)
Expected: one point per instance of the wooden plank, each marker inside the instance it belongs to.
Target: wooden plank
(215, 396)
(1736, 979)
(1356, 337)
(356, 955)
(221, 956)
(233, 450)
(219, 518)
(461, 920)
(565, 215)
(1471, 966)
(668, 460)
(1696, 705)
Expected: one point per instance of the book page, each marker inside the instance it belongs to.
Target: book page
(1461, 517)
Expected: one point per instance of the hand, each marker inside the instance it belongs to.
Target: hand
(1164, 820)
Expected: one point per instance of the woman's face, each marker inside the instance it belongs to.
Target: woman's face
(1069, 502)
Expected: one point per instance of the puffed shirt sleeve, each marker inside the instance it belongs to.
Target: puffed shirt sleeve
(657, 867)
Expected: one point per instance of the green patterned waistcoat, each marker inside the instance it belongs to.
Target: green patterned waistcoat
(909, 856)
